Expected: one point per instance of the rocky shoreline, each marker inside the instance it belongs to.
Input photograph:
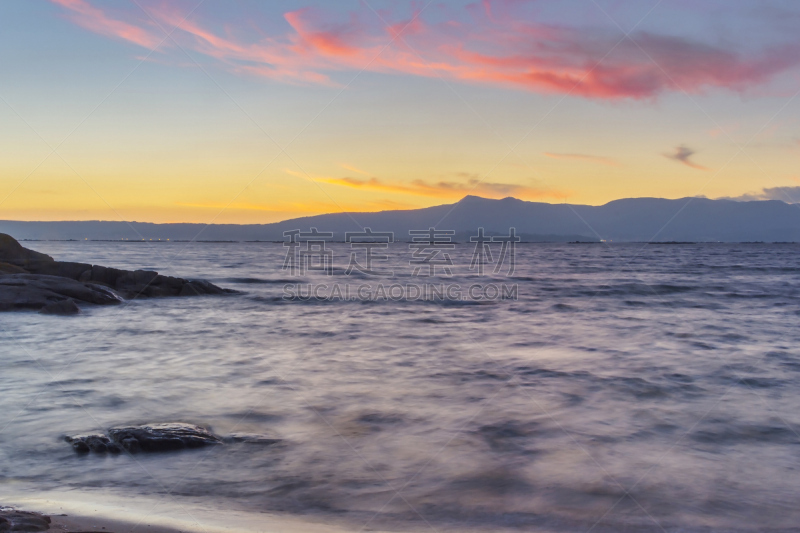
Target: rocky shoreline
(31, 280)
(14, 520)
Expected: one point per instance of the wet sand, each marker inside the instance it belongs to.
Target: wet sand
(83, 512)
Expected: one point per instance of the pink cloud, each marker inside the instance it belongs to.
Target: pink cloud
(493, 48)
(87, 16)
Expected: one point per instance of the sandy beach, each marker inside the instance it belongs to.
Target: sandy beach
(82, 512)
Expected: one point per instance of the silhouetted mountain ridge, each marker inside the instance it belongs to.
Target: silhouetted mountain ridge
(629, 219)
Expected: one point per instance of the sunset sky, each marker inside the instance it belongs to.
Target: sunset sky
(254, 111)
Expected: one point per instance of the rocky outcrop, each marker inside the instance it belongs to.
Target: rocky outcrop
(162, 437)
(33, 291)
(63, 308)
(32, 280)
(159, 438)
(14, 253)
(6, 268)
(12, 520)
(147, 438)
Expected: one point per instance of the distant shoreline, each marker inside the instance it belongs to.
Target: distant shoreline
(161, 241)
(635, 220)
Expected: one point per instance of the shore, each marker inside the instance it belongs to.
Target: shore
(72, 511)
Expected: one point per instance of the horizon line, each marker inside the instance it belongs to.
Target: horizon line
(744, 199)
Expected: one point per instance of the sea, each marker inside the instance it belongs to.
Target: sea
(549, 387)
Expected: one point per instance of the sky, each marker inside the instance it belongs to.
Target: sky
(244, 111)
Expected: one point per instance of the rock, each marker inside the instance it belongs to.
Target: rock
(8, 268)
(14, 253)
(64, 269)
(162, 437)
(13, 520)
(93, 281)
(249, 438)
(63, 308)
(32, 291)
(93, 443)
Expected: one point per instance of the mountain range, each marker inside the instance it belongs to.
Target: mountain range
(625, 220)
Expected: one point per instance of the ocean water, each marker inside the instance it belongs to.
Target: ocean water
(618, 387)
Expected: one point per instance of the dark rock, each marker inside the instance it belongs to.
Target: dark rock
(248, 438)
(63, 269)
(105, 275)
(32, 291)
(189, 289)
(131, 444)
(93, 281)
(22, 521)
(8, 268)
(93, 443)
(63, 308)
(143, 277)
(162, 437)
(197, 287)
(14, 253)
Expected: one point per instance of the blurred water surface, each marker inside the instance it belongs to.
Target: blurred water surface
(640, 386)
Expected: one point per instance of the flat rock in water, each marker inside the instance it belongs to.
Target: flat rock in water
(13, 520)
(93, 443)
(162, 437)
(159, 438)
(248, 438)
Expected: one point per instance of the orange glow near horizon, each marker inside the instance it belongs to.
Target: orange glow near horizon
(56, 193)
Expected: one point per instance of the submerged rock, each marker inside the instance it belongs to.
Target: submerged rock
(162, 437)
(93, 443)
(32, 280)
(13, 520)
(249, 438)
(64, 307)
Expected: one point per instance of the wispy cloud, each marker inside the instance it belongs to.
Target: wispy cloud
(449, 189)
(301, 208)
(790, 195)
(585, 157)
(97, 20)
(356, 170)
(500, 44)
(246, 206)
(683, 154)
